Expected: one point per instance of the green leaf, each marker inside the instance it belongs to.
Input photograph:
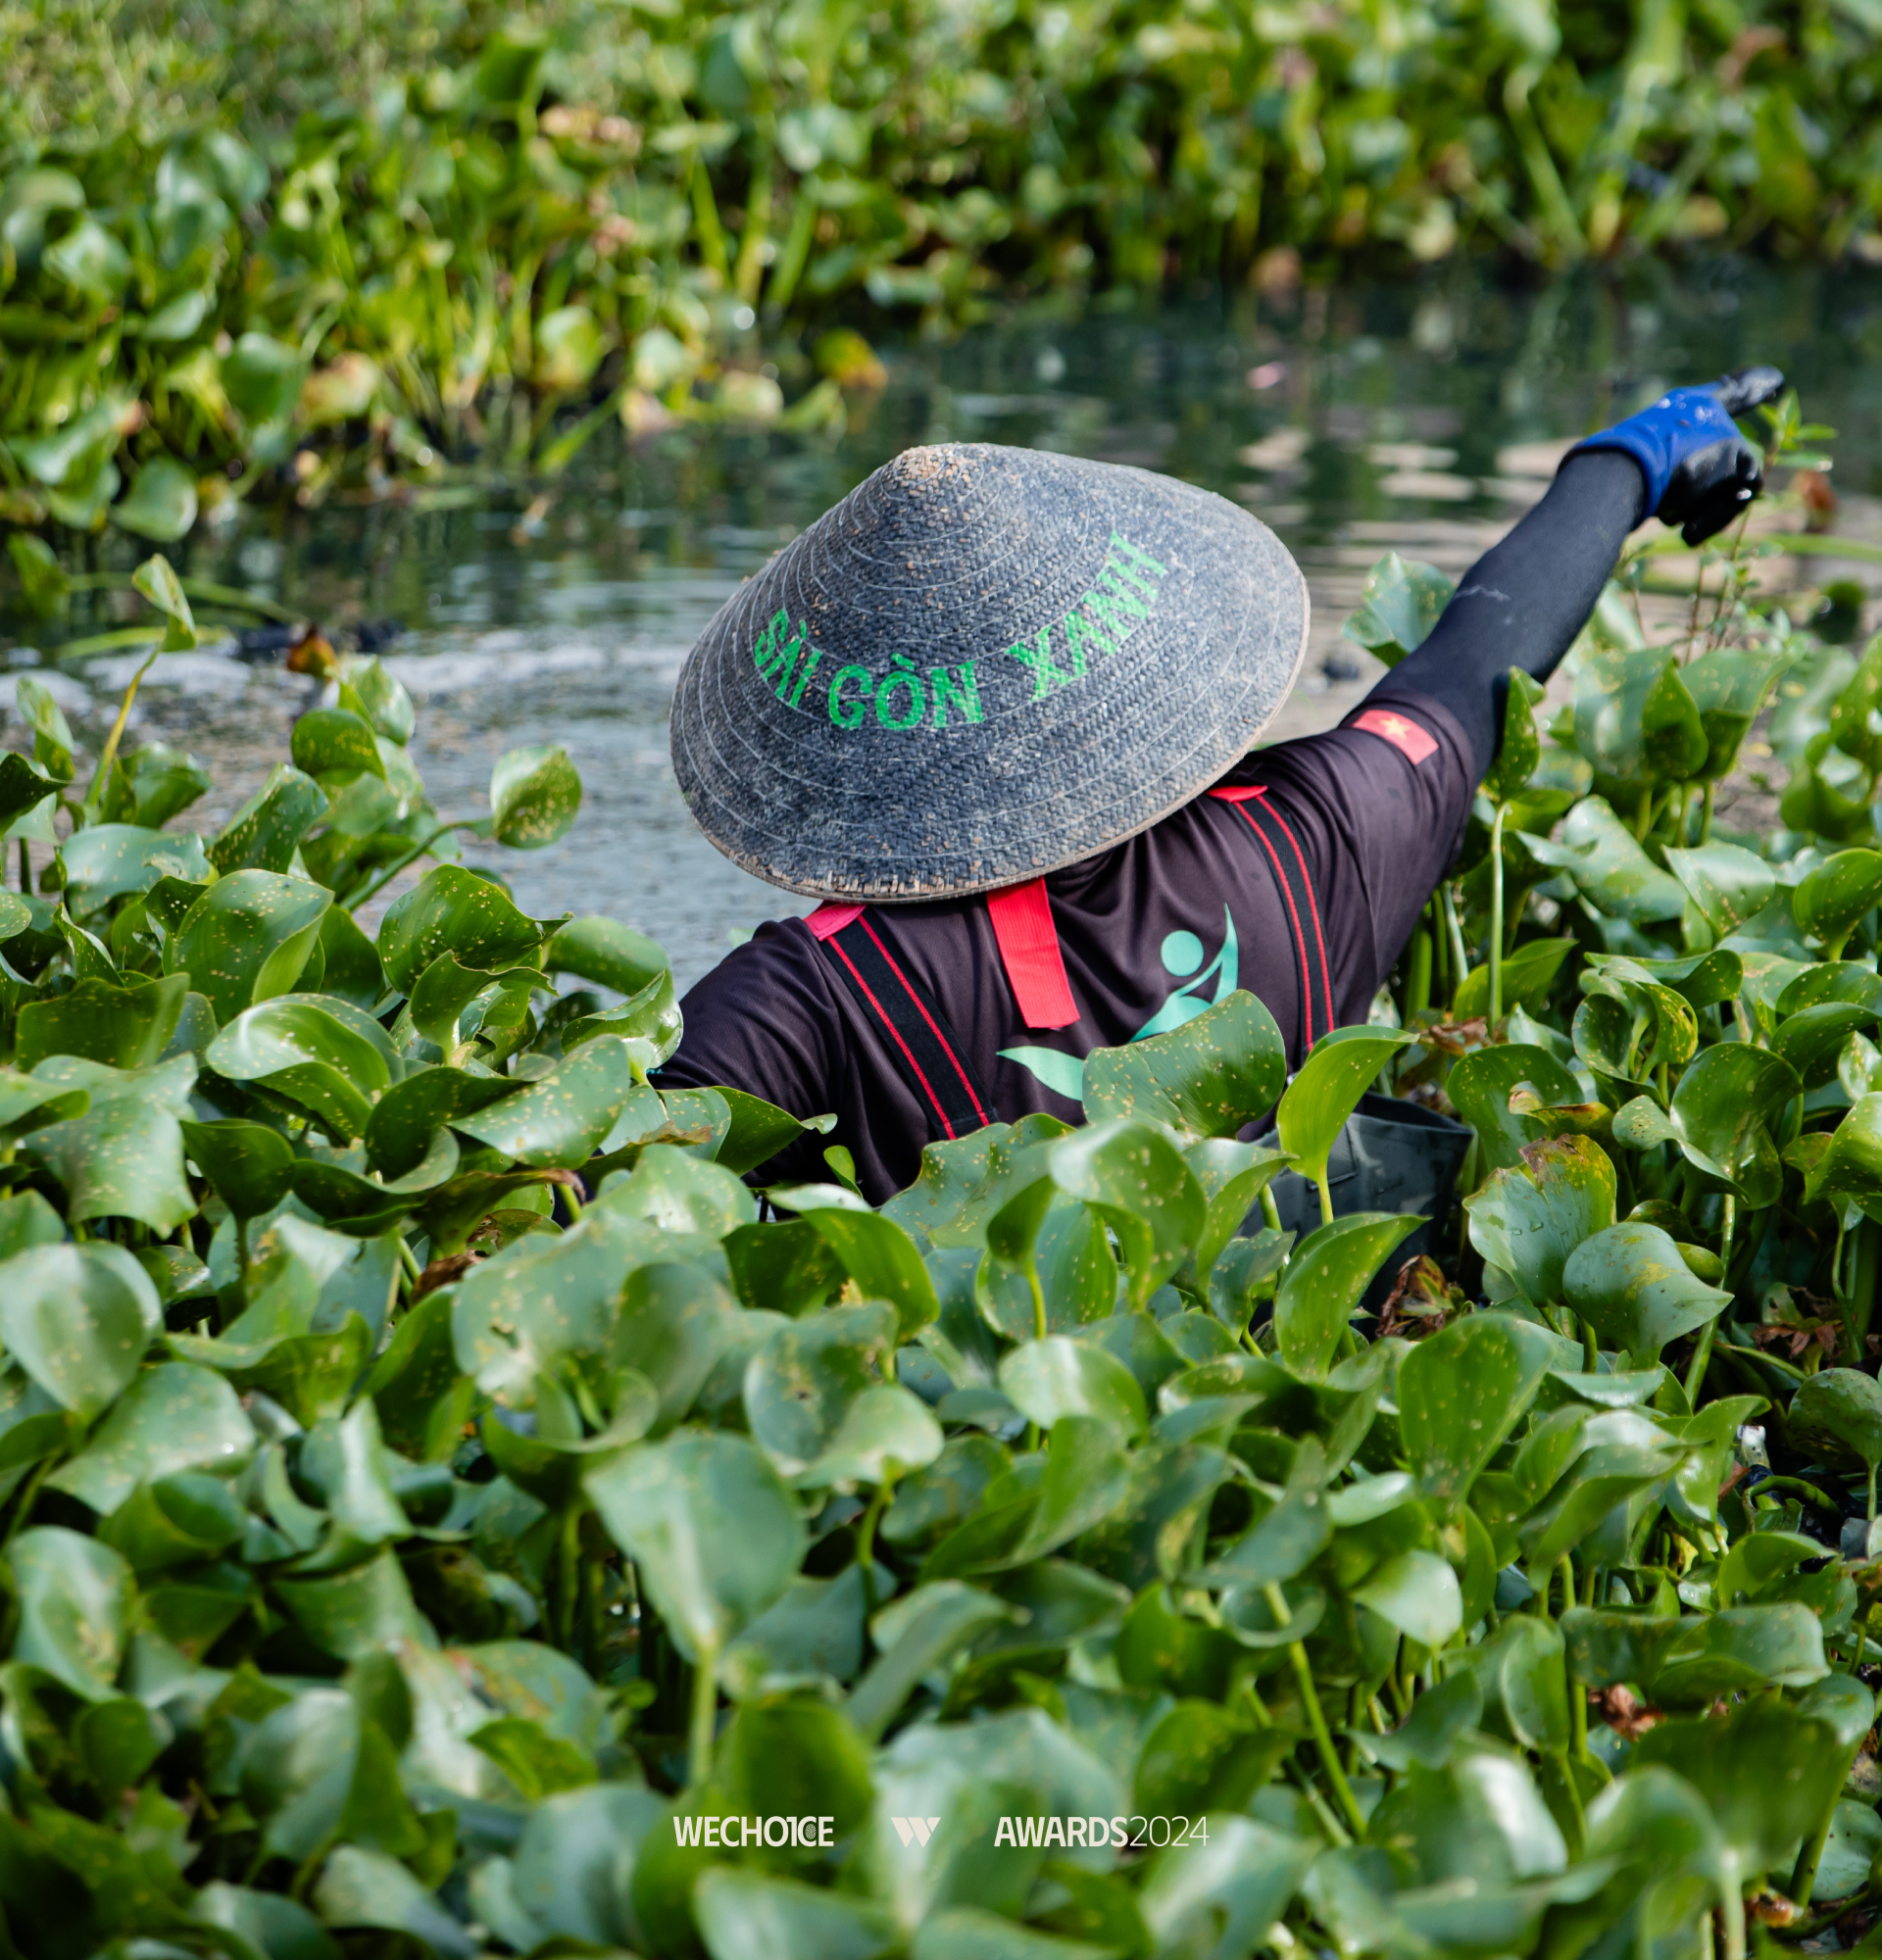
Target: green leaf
(367, 1889)
(1418, 1593)
(23, 788)
(45, 583)
(1528, 974)
(1767, 1773)
(453, 910)
(73, 1597)
(715, 1535)
(157, 580)
(78, 1318)
(1288, 1536)
(1399, 604)
(604, 951)
(266, 832)
(360, 1612)
(373, 694)
(174, 1418)
(1836, 1414)
(800, 1385)
(1728, 884)
(247, 938)
(1325, 1277)
(1633, 1287)
(262, 378)
(1829, 901)
(1461, 1392)
(574, 1855)
(1046, 1380)
(1133, 1177)
(1230, 1890)
(1207, 1078)
(1087, 1478)
(162, 504)
(1725, 1108)
(1520, 747)
(1613, 873)
(124, 1027)
(408, 1115)
(109, 861)
(1527, 1220)
(971, 1932)
(123, 1156)
(744, 1913)
(1233, 1176)
(314, 1050)
(335, 740)
(652, 1015)
(560, 1118)
(249, 1165)
(1326, 1090)
(536, 797)
(1636, 721)
(878, 1254)
(1730, 686)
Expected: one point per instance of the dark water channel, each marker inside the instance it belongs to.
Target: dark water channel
(1422, 419)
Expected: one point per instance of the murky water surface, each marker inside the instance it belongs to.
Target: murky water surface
(1417, 419)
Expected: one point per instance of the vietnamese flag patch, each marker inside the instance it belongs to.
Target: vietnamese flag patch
(1402, 733)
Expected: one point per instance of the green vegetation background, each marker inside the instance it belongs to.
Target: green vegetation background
(246, 239)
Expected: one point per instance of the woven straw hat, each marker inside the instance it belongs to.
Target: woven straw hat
(983, 664)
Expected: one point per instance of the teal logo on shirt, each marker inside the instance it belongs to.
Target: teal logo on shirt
(1182, 954)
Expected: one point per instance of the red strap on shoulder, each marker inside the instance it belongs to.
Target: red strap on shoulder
(1240, 795)
(1021, 918)
(829, 919)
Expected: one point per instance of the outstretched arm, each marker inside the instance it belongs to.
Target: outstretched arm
(1524, 601)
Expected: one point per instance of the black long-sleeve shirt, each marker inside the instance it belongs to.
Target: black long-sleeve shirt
(1178, 916)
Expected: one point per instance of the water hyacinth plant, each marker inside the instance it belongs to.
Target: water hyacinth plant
(245, 251)
(440, 1514)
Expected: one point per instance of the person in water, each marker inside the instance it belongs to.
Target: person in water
(998, 709)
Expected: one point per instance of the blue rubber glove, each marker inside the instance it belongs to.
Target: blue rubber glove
(1700, 472)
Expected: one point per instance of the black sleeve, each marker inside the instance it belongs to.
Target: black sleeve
(764, 1020)
(1524, 600)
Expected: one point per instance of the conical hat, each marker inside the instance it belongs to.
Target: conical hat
(984, 664)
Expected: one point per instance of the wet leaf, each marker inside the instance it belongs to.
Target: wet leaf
(1728, 884)
(453, 910)
(1631, 1285)
(123, 1156)
(1461, 1394)
(1134, 1179)
(1526, 1221)
(535, 796)
(715, 1535)
(314, 1050)
(1324, 1280)
(1207, 1078)
(175, 1417)
(247, 939)
(162, 503)
(1399, 604)
(1837, 1415)
(75, 1597)
(77, 1319)
(1327, 1089)
(1601, 853)
(1829, 901)
(563, 1116)
(1053, 1378)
